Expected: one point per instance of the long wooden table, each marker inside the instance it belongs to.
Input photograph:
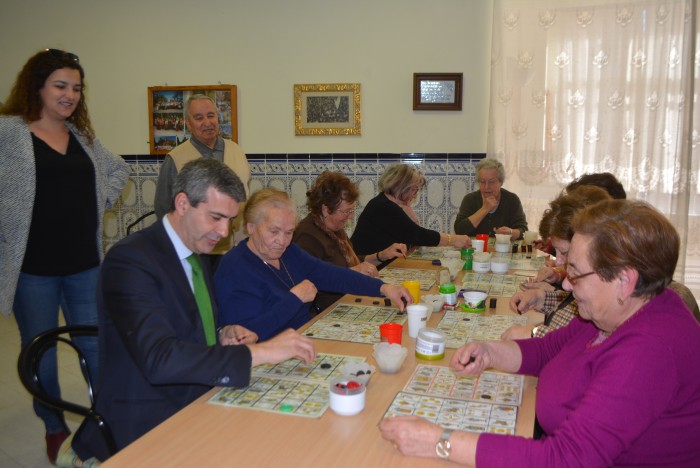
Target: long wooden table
(202, 434)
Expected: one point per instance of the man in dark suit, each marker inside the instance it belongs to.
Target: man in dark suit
(154, 357)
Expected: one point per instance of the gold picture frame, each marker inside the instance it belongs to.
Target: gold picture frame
(166, 113)
(327, 109)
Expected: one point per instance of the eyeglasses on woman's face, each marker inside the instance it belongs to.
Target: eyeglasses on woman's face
(488, 182)
(573, 279)
(349, 212)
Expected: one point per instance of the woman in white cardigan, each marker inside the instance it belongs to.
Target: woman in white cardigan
(57, 180)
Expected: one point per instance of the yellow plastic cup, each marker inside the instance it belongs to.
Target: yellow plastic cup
(414, 288)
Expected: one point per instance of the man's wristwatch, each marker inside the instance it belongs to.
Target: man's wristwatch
(443, 447)
(534, 331)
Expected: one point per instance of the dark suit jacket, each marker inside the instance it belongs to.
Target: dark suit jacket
(153, 356)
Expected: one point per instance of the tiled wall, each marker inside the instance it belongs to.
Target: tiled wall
(450, 176)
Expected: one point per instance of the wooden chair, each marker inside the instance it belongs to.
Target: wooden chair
(28, 366)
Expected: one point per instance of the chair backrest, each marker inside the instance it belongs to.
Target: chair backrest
(28, 366)
(141, 219)
(687, 296)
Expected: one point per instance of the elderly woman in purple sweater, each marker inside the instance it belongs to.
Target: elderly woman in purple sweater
(620, 385)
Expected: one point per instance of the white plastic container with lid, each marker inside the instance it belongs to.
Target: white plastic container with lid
(482, 262)
(430, 344)
(347, 397)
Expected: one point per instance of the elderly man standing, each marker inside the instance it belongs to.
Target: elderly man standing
(491, 209)
(202, 121)
(157, 340)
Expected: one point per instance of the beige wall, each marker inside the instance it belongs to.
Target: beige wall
(265, 47)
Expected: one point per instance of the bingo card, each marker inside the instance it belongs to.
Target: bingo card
(290, 387)
(354, 322)
(460, 327)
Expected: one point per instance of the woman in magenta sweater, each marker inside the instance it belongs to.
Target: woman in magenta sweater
(620, 385)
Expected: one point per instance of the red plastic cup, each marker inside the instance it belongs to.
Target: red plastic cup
(485, 238)
(390, 333)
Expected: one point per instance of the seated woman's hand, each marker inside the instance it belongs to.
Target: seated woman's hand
(532, 284)
(461, 242)
(550, 274)
(489, 203)
(366, 268)
(399, 295)
(541, 244)
(305, 291)
(396, 249)
(517, 332)
(411, 435)
(471, 359)
(522, 301)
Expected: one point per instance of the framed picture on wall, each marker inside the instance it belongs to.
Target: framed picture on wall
(327, 109)
(166, 113)
(437, 91)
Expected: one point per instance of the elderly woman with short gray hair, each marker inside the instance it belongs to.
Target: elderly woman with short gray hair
(491, 209)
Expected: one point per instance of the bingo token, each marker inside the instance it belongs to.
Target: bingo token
(325, 365)
(352, 385)
(286, 407)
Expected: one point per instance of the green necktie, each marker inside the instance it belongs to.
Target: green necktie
(201, 295)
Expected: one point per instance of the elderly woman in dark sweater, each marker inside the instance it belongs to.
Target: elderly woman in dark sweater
(267, 283)
(331, 203)
(389, 217)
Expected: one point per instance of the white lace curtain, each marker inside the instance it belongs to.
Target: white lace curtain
(581, 86)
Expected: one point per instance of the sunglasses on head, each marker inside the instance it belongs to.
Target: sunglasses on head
(57, 53)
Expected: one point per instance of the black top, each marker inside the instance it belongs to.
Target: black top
(383, 222)
(509, 212)
(63, 233)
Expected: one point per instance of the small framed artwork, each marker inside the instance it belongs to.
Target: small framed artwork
(327, 109)
(437, 91)
(166, 113)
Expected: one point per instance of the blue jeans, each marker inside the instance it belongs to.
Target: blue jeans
(36, 304)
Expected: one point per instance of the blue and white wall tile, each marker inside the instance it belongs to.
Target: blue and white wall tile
(449, 178)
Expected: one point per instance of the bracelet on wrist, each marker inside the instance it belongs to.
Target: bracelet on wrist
(379, 259)
(449, 239)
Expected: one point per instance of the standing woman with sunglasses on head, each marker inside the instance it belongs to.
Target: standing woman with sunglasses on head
(57, 180)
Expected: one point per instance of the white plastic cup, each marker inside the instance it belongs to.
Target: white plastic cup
(530, 236)
(502, 248)
(478, 245)
(503, 238)
(417, 318)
